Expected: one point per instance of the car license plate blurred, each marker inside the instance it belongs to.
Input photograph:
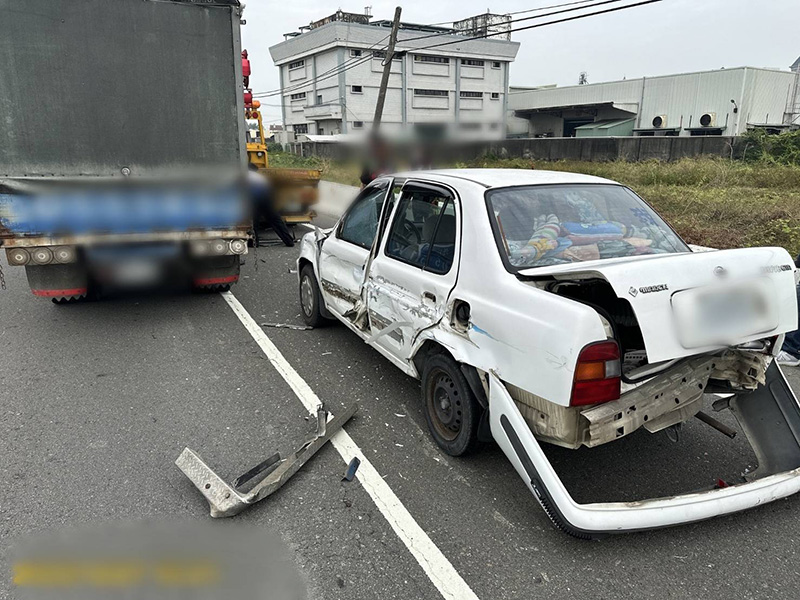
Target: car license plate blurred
(725, 315)
(136, 272)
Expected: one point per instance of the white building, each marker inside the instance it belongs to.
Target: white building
(330, 74)
(720, 102)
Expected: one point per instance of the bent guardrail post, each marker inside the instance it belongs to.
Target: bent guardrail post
(225, 501)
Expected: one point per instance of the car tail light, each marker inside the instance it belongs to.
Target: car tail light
(597, 374)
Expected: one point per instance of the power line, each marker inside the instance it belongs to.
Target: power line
(345, 66)
(558, 12)
(313, 81)
(332, 71)
(528, 10)
(342, 68)
(564, 20)
(339, 68)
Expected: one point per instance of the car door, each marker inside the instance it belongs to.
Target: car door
(344, 253)
(415, 267)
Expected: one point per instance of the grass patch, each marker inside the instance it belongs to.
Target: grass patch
(347, 173)
(710, 201)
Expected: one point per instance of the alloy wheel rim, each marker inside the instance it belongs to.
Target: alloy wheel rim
(306, 296)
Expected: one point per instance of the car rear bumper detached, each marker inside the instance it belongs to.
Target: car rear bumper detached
(769, 416)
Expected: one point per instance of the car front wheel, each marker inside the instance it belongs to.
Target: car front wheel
(310, 298)
(451, 409)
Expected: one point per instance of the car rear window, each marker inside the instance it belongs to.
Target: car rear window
(557, 224)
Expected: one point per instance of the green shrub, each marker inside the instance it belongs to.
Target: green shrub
(759, 146)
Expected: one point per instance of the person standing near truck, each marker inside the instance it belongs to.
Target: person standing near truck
(261, 203)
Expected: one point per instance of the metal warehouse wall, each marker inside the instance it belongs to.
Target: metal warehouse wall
(762, 95)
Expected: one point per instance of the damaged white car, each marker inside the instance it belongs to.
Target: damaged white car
(551, 307)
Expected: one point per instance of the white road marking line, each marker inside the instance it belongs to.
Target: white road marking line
(309, 225)
(435, 564)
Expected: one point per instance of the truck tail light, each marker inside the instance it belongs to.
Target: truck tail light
(219, 247)
(238, 246)
(18, 256)
(42, 256)
(64, 254)
(597, 374)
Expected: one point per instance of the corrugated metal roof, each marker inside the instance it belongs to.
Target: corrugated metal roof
(627, 107)
(608, 124)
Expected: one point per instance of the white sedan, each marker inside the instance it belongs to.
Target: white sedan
(539, 306)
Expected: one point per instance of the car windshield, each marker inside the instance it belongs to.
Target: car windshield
(546, 225)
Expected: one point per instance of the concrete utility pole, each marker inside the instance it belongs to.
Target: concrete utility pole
(387, 68)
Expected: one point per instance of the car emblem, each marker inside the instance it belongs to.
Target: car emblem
(633, 292)
(720, 272)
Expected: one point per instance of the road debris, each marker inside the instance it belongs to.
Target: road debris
(287, 326)
(352, 467)
(225, 501)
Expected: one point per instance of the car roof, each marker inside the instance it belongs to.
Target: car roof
(492, 178)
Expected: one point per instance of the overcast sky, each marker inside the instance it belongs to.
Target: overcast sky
(671, 36)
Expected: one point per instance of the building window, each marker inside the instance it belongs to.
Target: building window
(300, 96)
(471, 94)
(495, 64)
(358, 124)
(297, 64)
(301, 128)
(432, 59)
(495, 95)
(382, 55)
(355, 53)
(356, 89)
(319, 99)
(472, 63)
(431, 92)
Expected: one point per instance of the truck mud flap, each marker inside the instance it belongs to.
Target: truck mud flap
(770, 417)
(58, 281)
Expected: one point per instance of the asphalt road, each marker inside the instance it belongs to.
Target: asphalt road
(99, 399)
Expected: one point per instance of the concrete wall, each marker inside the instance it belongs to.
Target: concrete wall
(587, 149)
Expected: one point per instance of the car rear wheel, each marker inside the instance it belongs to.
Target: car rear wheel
(451, 409)
(310, 299)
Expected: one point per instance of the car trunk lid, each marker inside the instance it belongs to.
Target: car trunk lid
(691, 303)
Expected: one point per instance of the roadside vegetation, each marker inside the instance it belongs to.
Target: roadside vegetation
(753, 201)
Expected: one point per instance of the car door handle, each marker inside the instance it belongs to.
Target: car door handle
(429, 296)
